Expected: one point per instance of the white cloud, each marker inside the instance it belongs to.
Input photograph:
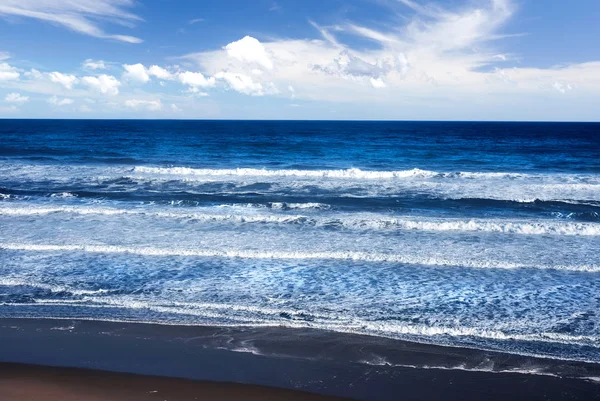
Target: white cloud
(4, 56)
(249, 50)
(160, 73)
(8, 72)
(434, 56)
(377, 82)
(56, 101)
(17, 98)
(136, 72)
(195, 79)
(151, 105)
(562, 87)
(34, 74)
(94, 64)
(66, 80)
(175, 109)
(195, 21)
(433, 59)
(241, 83)
(350, 66)
(81, 16)
(105, 84)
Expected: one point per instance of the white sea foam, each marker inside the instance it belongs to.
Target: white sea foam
(356, 173)
(63, 195)
(40, 211)
(292, 255)
(380, 361)
(494, 226)
(357, 221)
(14, 282)
(268, 317)
(309, 205)
(353, 173)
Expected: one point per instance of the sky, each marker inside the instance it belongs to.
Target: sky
(523, 60)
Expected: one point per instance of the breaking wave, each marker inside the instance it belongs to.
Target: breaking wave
(292, 255)
(371, 222)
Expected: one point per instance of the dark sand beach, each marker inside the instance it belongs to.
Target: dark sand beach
(33, 383)
(125, 361)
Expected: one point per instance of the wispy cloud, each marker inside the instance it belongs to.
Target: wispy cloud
(433, 59)
(17, 98)
(195, 21)
(275, 6)
(138, 104)
(435, 55)
(56, 101)
(94, 64)
(83, 16)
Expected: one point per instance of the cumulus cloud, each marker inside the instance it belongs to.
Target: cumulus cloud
(94, 64)
(56, 101)
(160, 73)
(17, 98)
(105, 84)
(83, 16)
(195, 80)
(427, 57)
(136, 73)
(151, 105)
(241, 83)
(8, 72)
(65, 80)
(434, 53)
(249, 50)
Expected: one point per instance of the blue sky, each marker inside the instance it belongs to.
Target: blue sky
(284, 59)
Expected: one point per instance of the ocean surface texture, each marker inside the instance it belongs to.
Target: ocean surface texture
(483, 235)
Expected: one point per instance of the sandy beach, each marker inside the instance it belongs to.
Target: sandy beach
(39, 383)
(125, 361)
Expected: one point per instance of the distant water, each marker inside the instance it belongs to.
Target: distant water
(482, 235)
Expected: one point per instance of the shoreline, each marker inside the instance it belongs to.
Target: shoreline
(319, 362)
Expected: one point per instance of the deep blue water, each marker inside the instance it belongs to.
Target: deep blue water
(484, 235)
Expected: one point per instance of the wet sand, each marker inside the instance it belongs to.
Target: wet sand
(39, 383)
(185, 362)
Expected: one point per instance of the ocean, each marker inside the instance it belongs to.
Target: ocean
(465, 234)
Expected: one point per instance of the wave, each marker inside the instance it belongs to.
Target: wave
(356, 173)
(253, 172)
(14, 282)
(292, 255)
(40, 211)
(257, 316)
(63, 195)
(370, 222)
(278, 205)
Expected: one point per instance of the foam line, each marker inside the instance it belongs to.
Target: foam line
(353, 173)
(373, 222)
(291, 255)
